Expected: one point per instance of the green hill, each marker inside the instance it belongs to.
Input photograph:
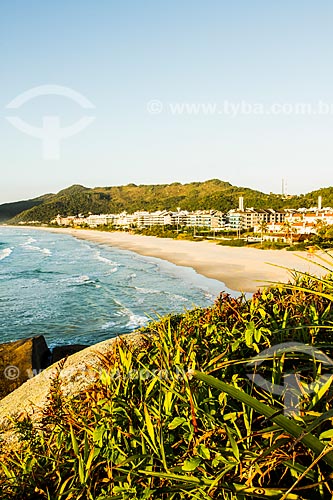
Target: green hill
(10, 210)
(211, 194)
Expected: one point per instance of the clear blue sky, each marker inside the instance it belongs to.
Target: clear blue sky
(123, 54)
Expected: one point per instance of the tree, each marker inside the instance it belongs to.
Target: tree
(263, 228)
(320, 227)
(288, 231)
(328, 233)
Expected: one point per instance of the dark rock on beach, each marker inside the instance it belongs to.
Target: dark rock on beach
(62, 351)
(26, 358)
(20, 361)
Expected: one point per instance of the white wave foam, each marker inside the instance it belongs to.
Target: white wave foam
(46, 251)
(5, 253)
(108, 325)
(105, 260)
(122, 312)
(82, 279)
(136, 321)
(27, 245)
(113, 270)
(147, 290)
(29, 241)
(179, 298)
(77, 280)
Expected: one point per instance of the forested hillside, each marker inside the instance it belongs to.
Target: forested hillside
(211, 194)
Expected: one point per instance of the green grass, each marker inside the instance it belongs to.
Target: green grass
(180, 419)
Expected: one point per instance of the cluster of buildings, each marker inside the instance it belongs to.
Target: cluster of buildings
(275, 225)
(200, 218)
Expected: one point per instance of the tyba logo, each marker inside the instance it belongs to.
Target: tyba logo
(293, 389)
(51, 133)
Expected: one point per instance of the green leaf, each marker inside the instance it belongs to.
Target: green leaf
(257, 335)
(191, 464)
(233, 443)
(88, 463)
(74, 442)
(283, 422)
(320, 391)
(203, 452)
(250, 329)
(326, 434)
(177, 421)
(262, 312)
(149, 425)
(98, 435)
(301, 469)
(81, 471)
(238, 489)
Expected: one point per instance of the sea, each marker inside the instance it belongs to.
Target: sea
(74, 291)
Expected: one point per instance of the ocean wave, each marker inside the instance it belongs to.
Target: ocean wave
(27, 245)
(79, 280)
(46, 251)
(105, 260)
(147, 290)
(179, 298)
(111, 271)
(173, 296)
(28, 242)
(82, 279)
(209, 296)
(5, 253)
(133, 320)
(136, 321)
(122, 312)
(108, 325)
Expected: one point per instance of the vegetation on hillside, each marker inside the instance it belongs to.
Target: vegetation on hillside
(10, 210)
(181, 419)
(213, 194)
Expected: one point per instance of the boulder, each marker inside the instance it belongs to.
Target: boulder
(20, 361)
(74, 374)
(63, 351)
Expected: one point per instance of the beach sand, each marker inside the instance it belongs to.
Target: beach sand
(240, 269)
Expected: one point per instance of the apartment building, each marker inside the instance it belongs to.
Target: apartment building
(213, 219)
(100, 220)
(251, 218)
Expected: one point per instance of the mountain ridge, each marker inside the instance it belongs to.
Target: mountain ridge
(212, 194)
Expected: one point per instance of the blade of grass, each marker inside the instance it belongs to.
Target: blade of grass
(285, 423)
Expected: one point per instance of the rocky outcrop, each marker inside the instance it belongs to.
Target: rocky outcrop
(24, 359)
(76, 373)
(20, 361)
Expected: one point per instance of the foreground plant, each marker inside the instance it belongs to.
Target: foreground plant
(181, 419)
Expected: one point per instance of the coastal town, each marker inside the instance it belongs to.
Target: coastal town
(271, 225)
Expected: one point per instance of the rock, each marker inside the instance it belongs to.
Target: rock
(20, 361)
(76, 374)
(62, 351)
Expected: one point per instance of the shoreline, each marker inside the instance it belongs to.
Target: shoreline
(239, 269)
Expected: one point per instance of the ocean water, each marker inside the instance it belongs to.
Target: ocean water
(74, 291)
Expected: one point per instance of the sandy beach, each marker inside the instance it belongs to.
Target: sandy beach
(240, 269)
